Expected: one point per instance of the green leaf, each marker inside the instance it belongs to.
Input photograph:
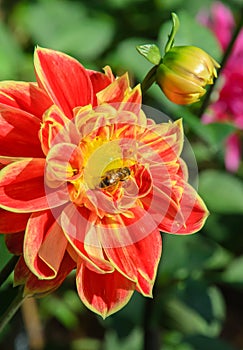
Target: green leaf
(234, 272)
(67, 26)
(150, 52)
(11, 57)
(132, 342)
(5, 256)
(196, 309)
(222, 192)
(192, 254)
(59, 309)
(86, 344)
(218, 132)
(202, 342)
(214, 134)
(185, 319)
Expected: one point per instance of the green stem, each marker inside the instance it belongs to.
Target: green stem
(12, 309)
(8, 269)
(175, 27)
(149, 79)
(223, 63)
(151, 332)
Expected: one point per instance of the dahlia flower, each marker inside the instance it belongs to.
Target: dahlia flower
(87, 183)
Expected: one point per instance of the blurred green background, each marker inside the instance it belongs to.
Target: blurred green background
(198, 297)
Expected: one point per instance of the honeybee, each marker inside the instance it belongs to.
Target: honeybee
(114, 176)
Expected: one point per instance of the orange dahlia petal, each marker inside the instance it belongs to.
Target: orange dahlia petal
(41, 235)
(19, 133)
(114, 92)
(189, 216)
(35, 286)
(138, 261)
(164, 142)
(81, 234)
(63, 78)
(53, 128)
(27, 97)
(100, 80)
(22, 187)
(104, 294)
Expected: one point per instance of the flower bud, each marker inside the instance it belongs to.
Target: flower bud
(184, 72)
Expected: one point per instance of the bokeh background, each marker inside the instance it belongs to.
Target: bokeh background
(198, 296)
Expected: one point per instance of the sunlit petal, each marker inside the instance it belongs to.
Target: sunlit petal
(104, 294)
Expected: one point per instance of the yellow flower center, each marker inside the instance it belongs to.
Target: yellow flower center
(105, 166)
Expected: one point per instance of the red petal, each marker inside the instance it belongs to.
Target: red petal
(65, 80)
(35, 286)
(100, 80)
(8, 160)
(22, 187)
(52, 124)
(104, 294)
(19, 134)
(81, 234)
(115, 92)
(12, 222)
(27, 97)
(189, 216)
(162, 142)
(42, 234)
(14, 242)
(138, 261)
(21, 272)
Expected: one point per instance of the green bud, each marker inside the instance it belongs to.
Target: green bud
(184, 73)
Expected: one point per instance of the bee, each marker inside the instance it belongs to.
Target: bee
(114, 176)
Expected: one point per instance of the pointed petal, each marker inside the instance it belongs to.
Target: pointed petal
(104, 294)
(114, 92)
(41, 235)
(19, 134)
(22, 187)
(132, 100)
(24, 96)
(63, 78)
(12, 222)
(100, 80)
(138, 261)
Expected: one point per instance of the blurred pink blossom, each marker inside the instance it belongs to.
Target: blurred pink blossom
(228, 107)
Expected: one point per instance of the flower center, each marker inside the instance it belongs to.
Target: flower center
(104, 158)
(104, 174)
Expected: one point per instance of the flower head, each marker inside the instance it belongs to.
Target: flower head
(184, 73)
(88, 181)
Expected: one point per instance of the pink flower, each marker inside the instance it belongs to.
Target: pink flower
(87, 183)
(228, 107)
(220, 21)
